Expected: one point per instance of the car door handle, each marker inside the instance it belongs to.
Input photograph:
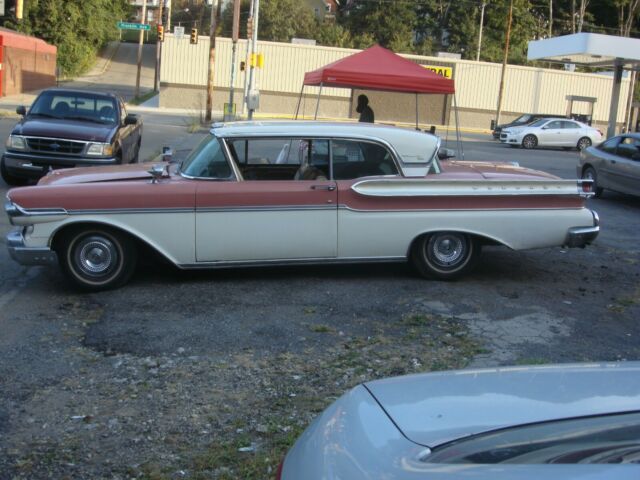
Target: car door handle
(330, 188)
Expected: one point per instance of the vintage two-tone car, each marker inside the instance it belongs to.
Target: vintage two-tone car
(294, 193)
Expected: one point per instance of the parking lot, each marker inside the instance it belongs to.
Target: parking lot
(213, 374)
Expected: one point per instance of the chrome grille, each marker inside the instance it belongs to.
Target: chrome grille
(53, 145)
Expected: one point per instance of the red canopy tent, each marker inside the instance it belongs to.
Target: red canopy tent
(379, 69)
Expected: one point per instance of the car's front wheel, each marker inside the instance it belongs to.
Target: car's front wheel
(589, 173)
(583, 143)
(445, 255)
(97, 258)
(9, 179)
(529, 142)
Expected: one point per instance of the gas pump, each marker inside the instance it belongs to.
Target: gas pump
(581, 117)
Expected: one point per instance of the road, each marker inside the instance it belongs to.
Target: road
(120, 73)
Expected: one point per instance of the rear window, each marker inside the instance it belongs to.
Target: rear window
(593, 440)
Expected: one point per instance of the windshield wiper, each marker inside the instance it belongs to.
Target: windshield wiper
(88, 119)
(45, 115)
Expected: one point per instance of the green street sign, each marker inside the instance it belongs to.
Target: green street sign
(133, 26)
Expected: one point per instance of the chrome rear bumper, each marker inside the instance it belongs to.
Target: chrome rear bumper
(28, 255)
(582, 236)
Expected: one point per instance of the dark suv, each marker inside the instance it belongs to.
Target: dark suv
(524, 119)
(70, 128)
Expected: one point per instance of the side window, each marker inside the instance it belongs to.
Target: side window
(554, 125)
(570, 125)
(610, 145)
(627, 148)
(123, 112)
(281, 158)
(353, 159)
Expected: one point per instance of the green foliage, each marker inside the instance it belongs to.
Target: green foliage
(77, 27)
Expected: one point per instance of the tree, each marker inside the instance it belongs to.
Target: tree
(77, 27)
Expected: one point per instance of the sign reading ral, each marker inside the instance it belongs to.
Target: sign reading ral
(446, 72)
(178, 32)
(133, 26)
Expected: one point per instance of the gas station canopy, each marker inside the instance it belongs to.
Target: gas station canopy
(588, 49)
(593, 50)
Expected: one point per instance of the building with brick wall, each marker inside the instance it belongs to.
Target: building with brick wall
(26, 63)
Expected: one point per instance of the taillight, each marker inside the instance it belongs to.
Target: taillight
(279, 471)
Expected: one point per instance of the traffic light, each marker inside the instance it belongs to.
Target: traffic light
(160, 33)
(194, 36)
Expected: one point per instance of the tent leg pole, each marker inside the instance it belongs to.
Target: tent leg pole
(417, 127)
(299, 101)
(455, 109)
(315, 117)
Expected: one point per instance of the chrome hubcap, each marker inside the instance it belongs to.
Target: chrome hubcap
(96, 256)
(447, 249)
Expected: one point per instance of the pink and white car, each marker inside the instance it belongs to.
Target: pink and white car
(294, 193)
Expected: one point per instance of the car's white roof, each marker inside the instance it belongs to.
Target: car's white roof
(411, 146)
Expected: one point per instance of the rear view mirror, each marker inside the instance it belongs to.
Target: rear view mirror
(444, 153)
(21, 110)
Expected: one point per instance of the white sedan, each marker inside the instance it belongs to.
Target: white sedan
(552, 132)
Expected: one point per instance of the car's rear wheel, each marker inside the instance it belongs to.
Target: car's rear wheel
(583, 143)
(590, 174)
(529, 142)
(445, 255)
(97, 258)
(9, 179)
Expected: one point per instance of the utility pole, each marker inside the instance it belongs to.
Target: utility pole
(212, 59)
(168, 15)
(550, 18)
(504, 63)
(234, 49)
(248, 51)
(156, 78)
(484, 4)
(254, 43)
(140, 42)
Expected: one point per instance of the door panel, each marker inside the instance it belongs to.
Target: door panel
(551, 134)
(266, 220)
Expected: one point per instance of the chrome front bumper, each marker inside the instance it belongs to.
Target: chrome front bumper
(582, 236)
(28, 255)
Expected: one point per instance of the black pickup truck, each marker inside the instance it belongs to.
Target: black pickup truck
(70, 128)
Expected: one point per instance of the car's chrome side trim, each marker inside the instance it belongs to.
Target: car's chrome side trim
(422, 187)
(118, 211)
(267, 208)
(470, 209)
(287, 261)
(14, 210)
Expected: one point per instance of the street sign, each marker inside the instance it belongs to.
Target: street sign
(178, 32)
(133, 26)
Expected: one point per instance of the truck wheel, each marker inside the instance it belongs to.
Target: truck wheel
(97, 258)
(445, 255)
(9, 179)
(136, 157)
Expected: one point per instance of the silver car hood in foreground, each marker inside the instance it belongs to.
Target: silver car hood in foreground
(435, 408)
(354, 439)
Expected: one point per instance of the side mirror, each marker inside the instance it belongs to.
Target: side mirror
(444, 153)
(131, 119)
(21, 110)
(157, 172)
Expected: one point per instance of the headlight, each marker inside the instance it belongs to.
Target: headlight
(100, 149)
(16, 142)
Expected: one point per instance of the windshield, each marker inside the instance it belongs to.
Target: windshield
(538, 123)
(207, 160)
(603, 439)
(75, 106)
(523, 118)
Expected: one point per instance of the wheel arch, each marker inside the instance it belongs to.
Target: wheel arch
(142, 242)
(481, 237)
